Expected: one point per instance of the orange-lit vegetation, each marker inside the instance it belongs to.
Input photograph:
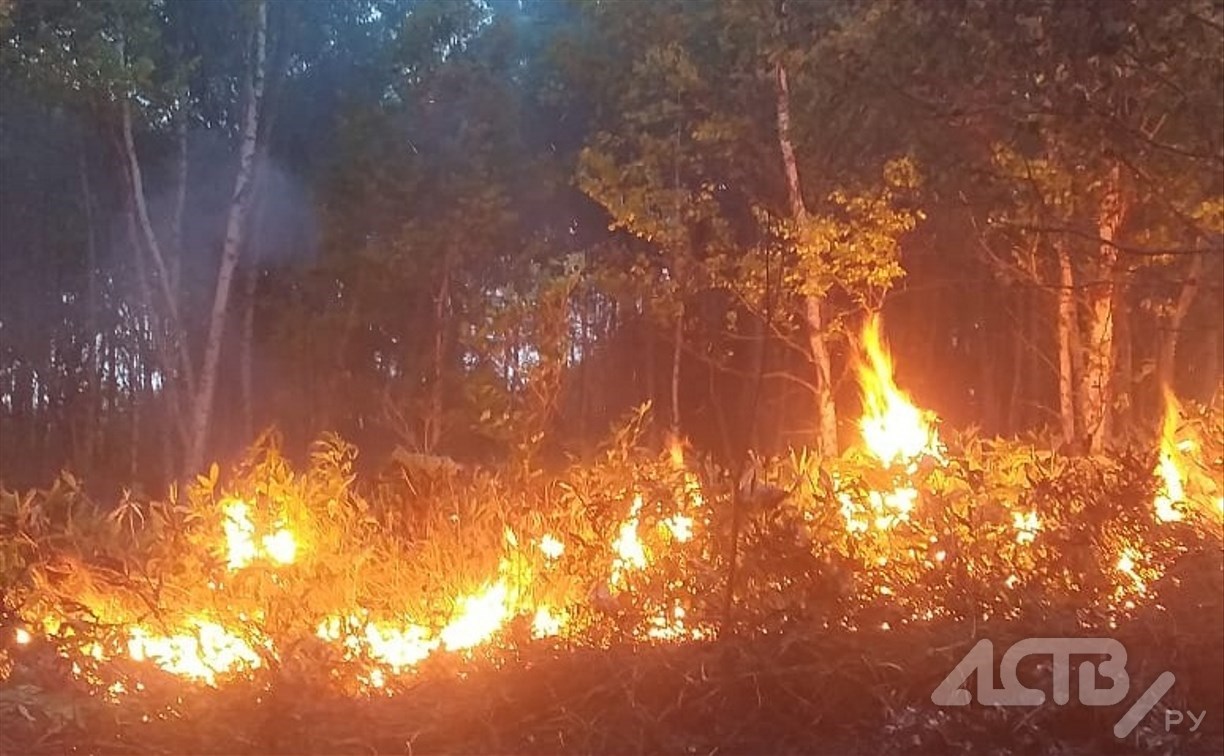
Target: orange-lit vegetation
(366, 585)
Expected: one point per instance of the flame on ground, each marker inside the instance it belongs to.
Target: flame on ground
(894, 430)
(1172, 493)
(209, 651)
(630, 553)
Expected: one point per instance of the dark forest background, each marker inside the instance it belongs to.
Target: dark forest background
(489, 229)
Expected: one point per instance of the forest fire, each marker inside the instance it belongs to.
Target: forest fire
(896, 433)
(1172, 493)
(242, 548)
(209, 651)
(893, 429)
(456, 376)
(255, 540)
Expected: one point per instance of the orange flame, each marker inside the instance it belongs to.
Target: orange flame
(894, 430)
(205, 650)
(481, 615)
(241, 547)
(1172, 493)
(200, 655)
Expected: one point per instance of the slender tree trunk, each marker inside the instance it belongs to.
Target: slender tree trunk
(91, 319)
(1211, 367)
(1066, 330)
(135, 398)
(145, 224)
(652, 368)
(240, 203)
(433, 416)
(813, 306)
(1166, 361)
(1099, 365)
(677, 349)
(1016, 404)
(180, 205)
(1124, 355)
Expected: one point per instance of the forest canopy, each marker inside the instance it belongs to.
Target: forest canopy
(488, 229)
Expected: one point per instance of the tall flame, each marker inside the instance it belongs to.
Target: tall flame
(1172, 490)
(894, 430)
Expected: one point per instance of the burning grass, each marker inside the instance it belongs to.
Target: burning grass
(592, 608)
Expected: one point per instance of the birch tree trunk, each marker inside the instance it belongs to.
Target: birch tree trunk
(1099, 365)
(1066, 331)
(240, 203)
(1166, 361)
(154, 247)
(180, 203)
(826, 412)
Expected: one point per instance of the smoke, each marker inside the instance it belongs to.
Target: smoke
(283, 228)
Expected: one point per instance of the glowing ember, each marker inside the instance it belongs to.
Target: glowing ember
(545, 624)
(209, 651)
(1026, 526)
(883, 510)
(552, 548)
(892, 507)
(22, 636)
(680, 527)
(893, 428)
(479, 618)
(1127, 563)
(850, 512)
(669, 626)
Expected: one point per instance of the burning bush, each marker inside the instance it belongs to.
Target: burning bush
(313, 577)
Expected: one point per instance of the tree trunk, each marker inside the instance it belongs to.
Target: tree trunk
(92, 386)
(1099, 365)
(813, 306)
(751, 390)
(240, 203)
(826, 411)
(1018, 396)
(677, 348)
(648, 331)
(1166, 361)
(432, 435)
(1124, 366)
(145, 225)
(180, 204)
(1066, 331)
